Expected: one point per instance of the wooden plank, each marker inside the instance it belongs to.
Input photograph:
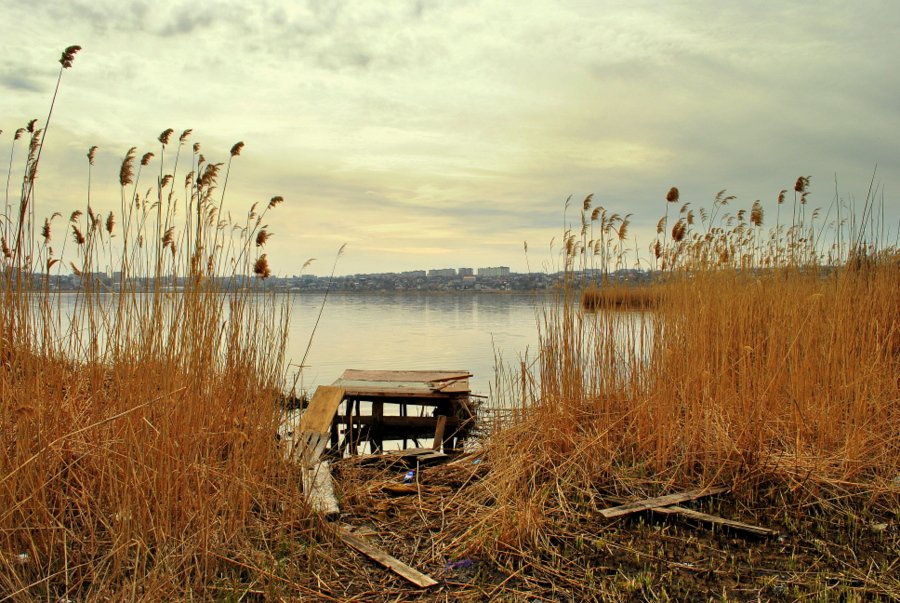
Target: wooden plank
(433, 457)
(389, 422)
(318, 415)
(308, 447)
(375, 437)
(715, 519)
(403, 383)
(400, 489)
(421, 376)
(659, 501)
(383, 558)
(439, 433)
(319, 488)
(390, 393)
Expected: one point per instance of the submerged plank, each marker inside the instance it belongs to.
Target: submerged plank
(659, 501)
(379, 556)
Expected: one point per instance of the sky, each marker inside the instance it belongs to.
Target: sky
(433, 134)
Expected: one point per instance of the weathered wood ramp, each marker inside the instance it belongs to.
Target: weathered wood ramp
(315, 422)
(319, 488)
(308, 445)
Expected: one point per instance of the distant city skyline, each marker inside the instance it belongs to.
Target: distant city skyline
(429, 134)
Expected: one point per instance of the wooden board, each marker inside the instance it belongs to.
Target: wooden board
(307, 447)
(400, 489)
(379, 556)
(659, 501)
(404, 383)
(423, 455)
(319, 488)
(390, 421)
(421, 376)
(318, 415)
(439, 433)
(715, 519)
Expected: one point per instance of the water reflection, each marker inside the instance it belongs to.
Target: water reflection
(433, 331)
(412, 331)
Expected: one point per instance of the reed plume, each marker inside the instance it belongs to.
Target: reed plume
(126, 171)
(261, 267)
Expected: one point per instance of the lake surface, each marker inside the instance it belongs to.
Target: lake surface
(412, 331)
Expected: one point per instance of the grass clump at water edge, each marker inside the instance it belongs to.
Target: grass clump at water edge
(138, 457)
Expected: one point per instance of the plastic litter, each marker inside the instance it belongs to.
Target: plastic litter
(462, 563)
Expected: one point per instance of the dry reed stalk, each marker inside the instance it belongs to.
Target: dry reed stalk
(139, 453)
(755, 371)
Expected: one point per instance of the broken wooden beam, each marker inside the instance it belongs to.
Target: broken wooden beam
(659, 501)
(383, 558)
(439, 433)
(715, 520)
(391, 421)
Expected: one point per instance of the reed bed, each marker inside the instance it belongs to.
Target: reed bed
(138, 459)
(138, 413)
(620, 297)
(770, 367)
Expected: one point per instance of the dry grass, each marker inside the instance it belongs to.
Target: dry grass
(765, 370)
(138, 457)
(620, 297)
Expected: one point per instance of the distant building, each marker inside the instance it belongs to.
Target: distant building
(413, 273)
(442, 272)
(466, 272)
(494, 271)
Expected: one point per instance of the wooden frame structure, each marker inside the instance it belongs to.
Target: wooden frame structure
(405, 405)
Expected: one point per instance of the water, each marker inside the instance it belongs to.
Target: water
(411, 331)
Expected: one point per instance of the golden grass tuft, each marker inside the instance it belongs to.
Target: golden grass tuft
(138, 457)
(620, 297)
(742, 367)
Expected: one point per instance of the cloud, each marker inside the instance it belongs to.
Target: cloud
(188, 20)
(16, 81)
(470, 122)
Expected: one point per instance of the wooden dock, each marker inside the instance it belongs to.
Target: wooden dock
(404, 406)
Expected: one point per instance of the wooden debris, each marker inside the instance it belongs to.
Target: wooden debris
(381, 557)
(400, 489)
(423, 456)
(394, 489)
(715, 519)
(319, 488)
(421, 404)
(660, 501)
(439, 433)
(315, 425)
